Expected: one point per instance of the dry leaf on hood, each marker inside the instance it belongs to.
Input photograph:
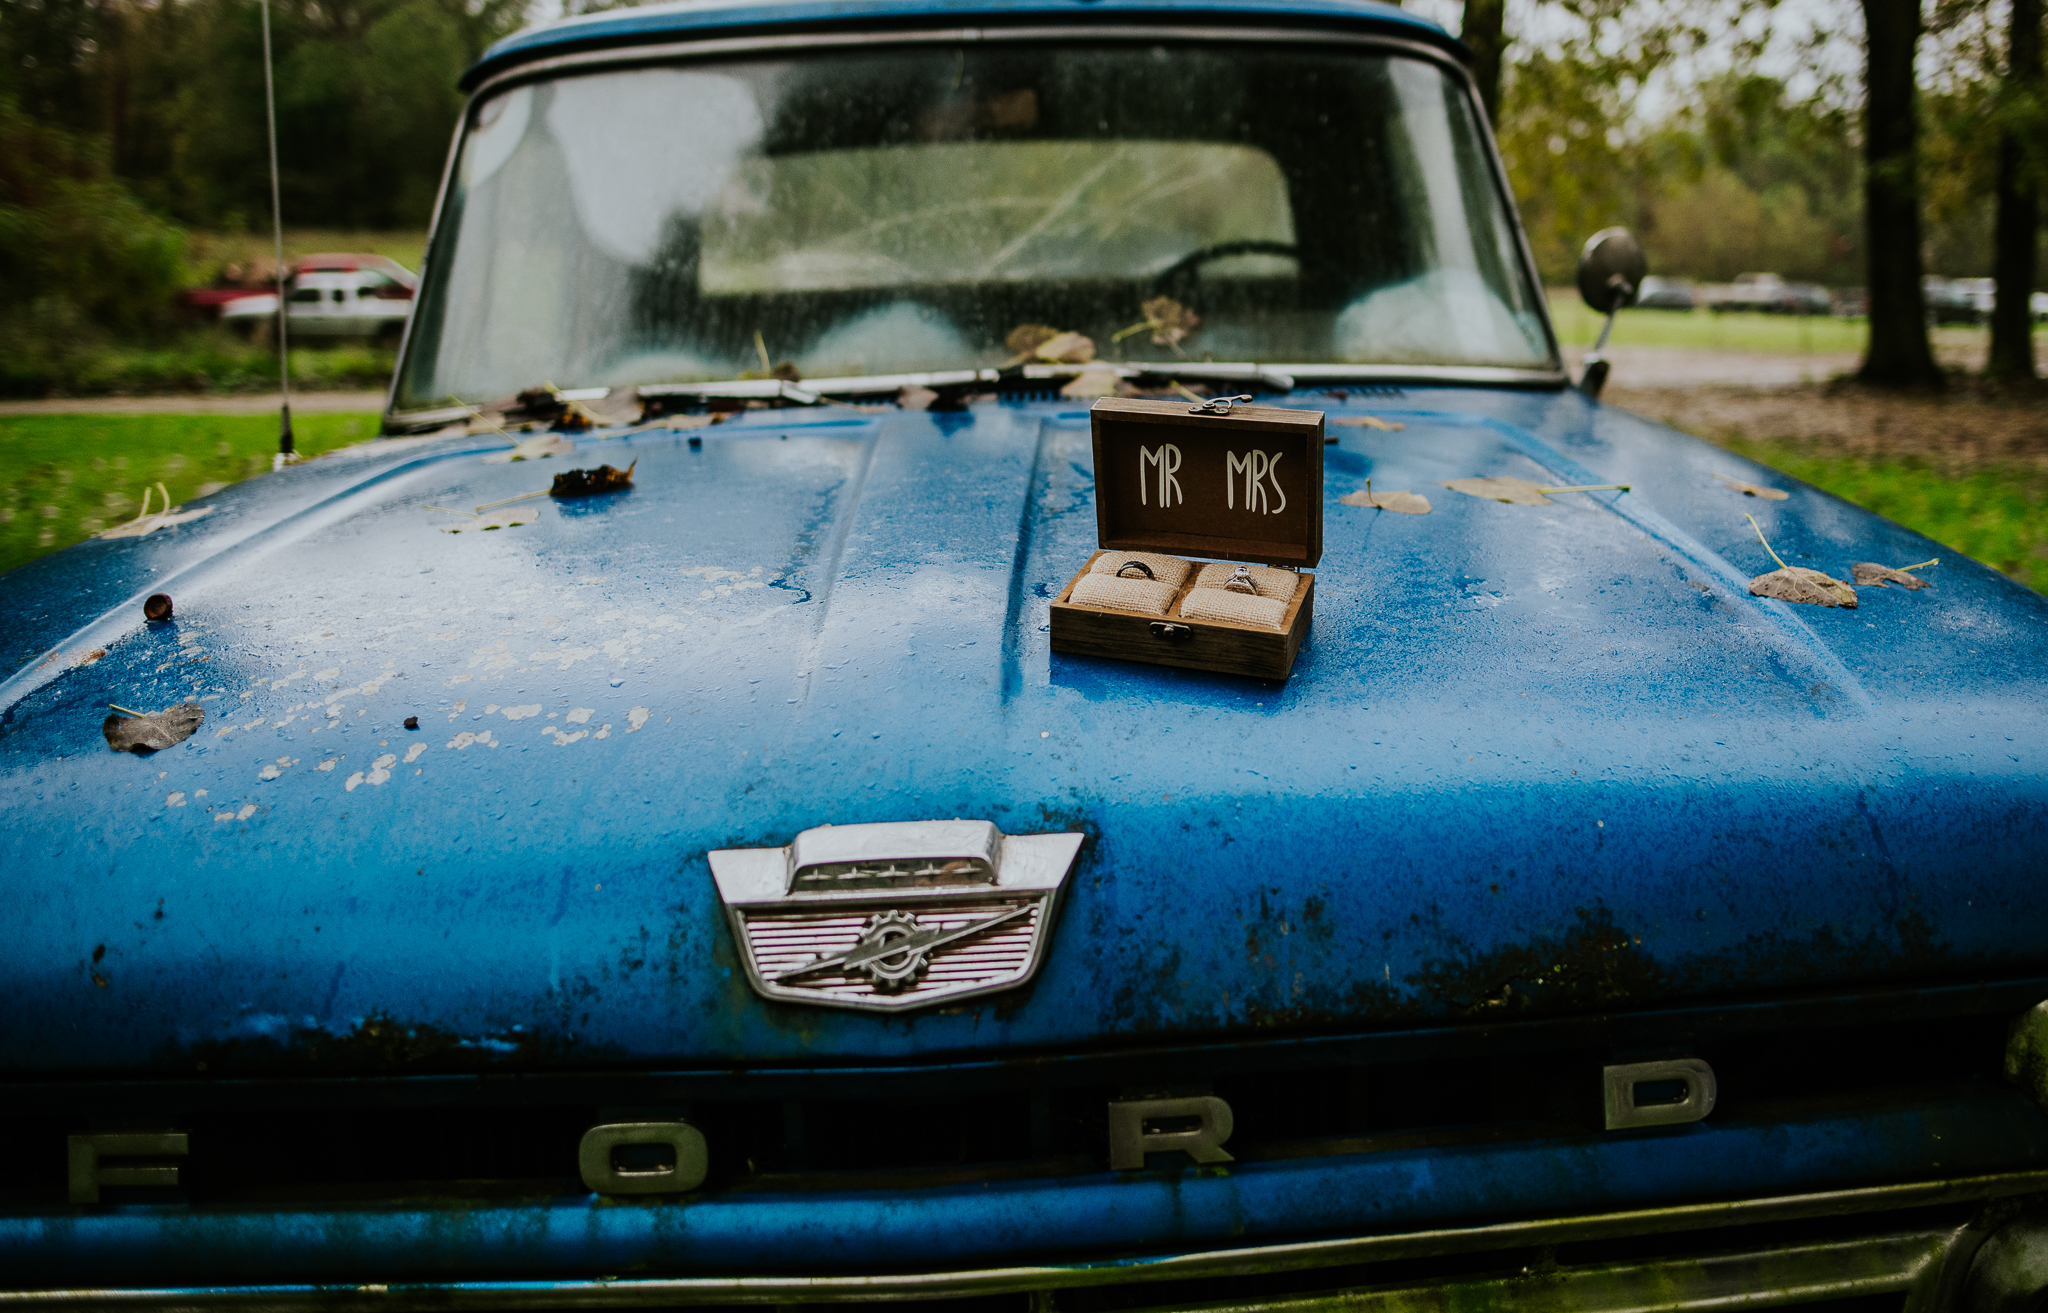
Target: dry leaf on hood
(1408, 503)
(1369, 422)
(1796, 583)
(1748, 489)
(1521, 492)
(547, 444)
(1169, 320)
(1870, 574)
(1025, 338)
(588, 483)
(1066, 349)
(145, 523)
(1097, 383)
(142, 732)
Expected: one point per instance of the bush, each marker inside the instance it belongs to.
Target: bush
(81, 258)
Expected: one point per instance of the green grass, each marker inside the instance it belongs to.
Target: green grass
(1998, 516)
(64, 478)
(1736, 331)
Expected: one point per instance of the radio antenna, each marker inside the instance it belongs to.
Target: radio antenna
(285, 453)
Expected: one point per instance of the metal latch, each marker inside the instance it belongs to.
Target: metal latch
(1172, 633)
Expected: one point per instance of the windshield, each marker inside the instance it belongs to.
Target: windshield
(944, 208)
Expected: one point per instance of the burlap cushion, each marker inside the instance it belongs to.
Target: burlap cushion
(1239, 608)
(1279, 585)
(1144, 595)
(1168, 570)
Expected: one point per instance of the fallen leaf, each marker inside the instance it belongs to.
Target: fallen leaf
(546, 405)
(1871, 575)
(1169, 320)
(1521, 492)
(547, 444)
(588, 483)
(145, 523)
(1097, 383)
(1369, 422)
(1025, 338)
(1796, 583)
(1748, 489)
(143, 733)
(1408, 503)
(1066, 349)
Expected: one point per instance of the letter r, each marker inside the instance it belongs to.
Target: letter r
(1133, 1132)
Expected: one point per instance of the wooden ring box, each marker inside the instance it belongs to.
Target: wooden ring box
(1246, 486)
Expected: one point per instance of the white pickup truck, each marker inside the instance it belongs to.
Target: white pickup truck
(335, 296)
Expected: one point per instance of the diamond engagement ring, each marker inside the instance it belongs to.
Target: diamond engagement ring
(1241, 581)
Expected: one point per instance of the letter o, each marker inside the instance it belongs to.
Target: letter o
(594, 1158)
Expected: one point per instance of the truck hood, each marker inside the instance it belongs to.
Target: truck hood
(1533, 759)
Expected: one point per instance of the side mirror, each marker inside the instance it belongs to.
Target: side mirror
(1611, 269)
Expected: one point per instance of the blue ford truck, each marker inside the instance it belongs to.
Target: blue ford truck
(429, 887)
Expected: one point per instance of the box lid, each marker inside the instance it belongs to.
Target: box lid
(1242, 486)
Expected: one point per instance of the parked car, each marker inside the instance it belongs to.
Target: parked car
(1954, 300)
(673, 867)
(1772, 294)
(334, 296)
(1971, 300)
(1666, 294)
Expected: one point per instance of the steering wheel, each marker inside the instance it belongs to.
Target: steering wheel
(1185, 266)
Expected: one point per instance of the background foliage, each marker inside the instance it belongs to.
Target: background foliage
(123, 118)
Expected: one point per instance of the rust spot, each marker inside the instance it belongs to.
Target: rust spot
(383, 1043)
(1593, 965)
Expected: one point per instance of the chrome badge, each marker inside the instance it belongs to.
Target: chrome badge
(885, 918)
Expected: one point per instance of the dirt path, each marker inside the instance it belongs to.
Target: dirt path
(1955, 434)
(303, 403)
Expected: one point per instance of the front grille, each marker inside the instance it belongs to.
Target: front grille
(517, 1135)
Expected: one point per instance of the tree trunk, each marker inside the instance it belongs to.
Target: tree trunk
(2019, 206)
(1898, 355)
(1483, 32)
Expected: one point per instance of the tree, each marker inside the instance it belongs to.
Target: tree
(2019, 204)
(1898, 354)
(1483, 30)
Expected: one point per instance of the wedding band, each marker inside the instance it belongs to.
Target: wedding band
(1124, 571)
(1241, 581)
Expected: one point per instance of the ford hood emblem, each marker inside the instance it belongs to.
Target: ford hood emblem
(890, 917)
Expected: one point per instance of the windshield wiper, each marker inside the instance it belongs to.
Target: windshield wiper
(659, 399)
